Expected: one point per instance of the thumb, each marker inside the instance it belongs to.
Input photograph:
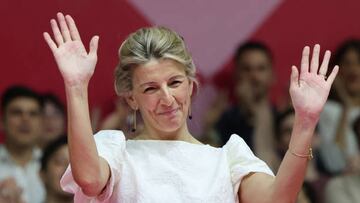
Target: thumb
(94, 45)
(294, 78)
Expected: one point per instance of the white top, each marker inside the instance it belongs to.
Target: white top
(343, 189)
(329, 121)
(333, 157)
(169, 171)
(27, 178)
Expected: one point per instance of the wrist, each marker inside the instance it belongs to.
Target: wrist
(307, 120)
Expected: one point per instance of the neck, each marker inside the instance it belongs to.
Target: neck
(58, 198)
(181, 134)
(21, 155)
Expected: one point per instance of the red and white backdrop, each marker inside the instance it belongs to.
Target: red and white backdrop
(211, 28)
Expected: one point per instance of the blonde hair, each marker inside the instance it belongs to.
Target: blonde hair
(147, 44)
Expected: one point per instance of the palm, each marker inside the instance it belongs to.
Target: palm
(309, 89)
(74, 62)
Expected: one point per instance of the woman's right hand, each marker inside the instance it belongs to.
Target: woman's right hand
(74, 62)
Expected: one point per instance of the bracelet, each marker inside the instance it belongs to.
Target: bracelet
(308, 156)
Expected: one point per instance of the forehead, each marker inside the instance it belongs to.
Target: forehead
(24, 103)
(351, 54)
(157, 70)
(254, 55)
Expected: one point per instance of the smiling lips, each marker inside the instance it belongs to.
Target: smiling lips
(170, 112)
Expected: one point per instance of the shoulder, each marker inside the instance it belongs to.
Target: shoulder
(110, 142)
(109, 136)
(240, 157)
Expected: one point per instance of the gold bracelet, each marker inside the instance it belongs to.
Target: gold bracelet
(308, 156)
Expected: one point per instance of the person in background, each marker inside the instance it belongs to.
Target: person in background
(54, 123)
(54, 161)
(338, 144)
(345, 188)
(19, 156)
(252, 116)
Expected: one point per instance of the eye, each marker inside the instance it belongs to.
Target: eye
(149, 89)
(175, 83)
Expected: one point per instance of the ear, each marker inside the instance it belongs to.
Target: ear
(131, 101)
(192, 88)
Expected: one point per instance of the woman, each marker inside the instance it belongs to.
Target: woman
(165, 163)
(54, 160)
(339, 146)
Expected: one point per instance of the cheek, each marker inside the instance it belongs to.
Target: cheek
(183, 94)
(148, 102)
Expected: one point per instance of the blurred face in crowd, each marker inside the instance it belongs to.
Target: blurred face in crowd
(54, 170)
(22, 122)
(161, 91)
(350, 71)
(54, 122)
(254, 67)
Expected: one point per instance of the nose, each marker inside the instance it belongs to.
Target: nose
(167, 97)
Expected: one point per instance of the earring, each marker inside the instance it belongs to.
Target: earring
(134, 121)
(189, 113)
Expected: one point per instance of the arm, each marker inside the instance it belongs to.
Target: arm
(309, 91)
(264, 142)
(77, 66)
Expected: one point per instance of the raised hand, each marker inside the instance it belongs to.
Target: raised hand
(74, 62)
(309, 90)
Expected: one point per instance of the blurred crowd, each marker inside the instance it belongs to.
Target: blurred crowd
(34, 153)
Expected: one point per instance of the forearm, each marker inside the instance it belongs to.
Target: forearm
(85, 162)
(290, 176)
(264, 137)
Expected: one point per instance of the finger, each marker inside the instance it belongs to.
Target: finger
(94, 45)
(50, 42)
(57, 34)
(315, 59)
(63, 26)
(325, 63)
(73, 29)
(333, 74)
(305, 60)
(294, 77)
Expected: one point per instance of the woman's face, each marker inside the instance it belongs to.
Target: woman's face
(350, 71)
(54, 122)
(161, 91)
(55, 169)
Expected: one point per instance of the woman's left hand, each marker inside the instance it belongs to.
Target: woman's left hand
(310, 88)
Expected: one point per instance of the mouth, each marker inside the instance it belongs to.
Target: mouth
(169, 112)
(24, 130)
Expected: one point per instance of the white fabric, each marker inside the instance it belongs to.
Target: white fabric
(328, 124)
(333, 157)
(343, 189)
(27, 178)
(169, 171)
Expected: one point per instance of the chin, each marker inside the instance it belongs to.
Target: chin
(170, 126)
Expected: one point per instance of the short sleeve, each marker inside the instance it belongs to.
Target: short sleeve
(242, 161)
(111, 146)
